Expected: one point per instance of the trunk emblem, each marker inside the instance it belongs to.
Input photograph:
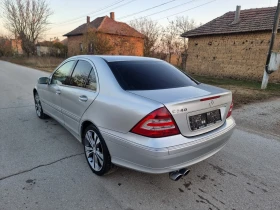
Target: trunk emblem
(211, 103)
(176, 111)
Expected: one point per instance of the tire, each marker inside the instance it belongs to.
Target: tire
(96, 151)
(38, 107)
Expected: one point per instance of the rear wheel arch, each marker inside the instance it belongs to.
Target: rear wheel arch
(84, 125)
(99, 147)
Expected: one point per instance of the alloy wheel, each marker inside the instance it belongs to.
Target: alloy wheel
(94, 150)
(38, 105)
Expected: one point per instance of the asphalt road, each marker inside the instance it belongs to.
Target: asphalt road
(43, 167)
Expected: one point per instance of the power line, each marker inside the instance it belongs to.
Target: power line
(147, 9)
(118, 6)
(187, 10)
(96, 15)
(172, 8)
(168, 9)
(105, 7)
(78, 20)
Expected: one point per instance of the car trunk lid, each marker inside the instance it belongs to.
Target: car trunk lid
(192, 105)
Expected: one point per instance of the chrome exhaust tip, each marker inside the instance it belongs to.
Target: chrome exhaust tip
(175, 175)
(184, 171)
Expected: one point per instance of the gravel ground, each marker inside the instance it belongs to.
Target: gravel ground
(262, 117)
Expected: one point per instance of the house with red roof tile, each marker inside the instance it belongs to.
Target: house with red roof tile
(234, 45)
(10, 46)
(123, 39)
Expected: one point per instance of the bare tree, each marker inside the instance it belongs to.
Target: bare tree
(169, 38)
(184, 24)
(26, 19)
(124, 46)
(96, 43)
(151, 30)
(173, 43)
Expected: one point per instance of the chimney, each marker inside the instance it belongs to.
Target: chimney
(88, 19)
(112, 15)
(237, 15)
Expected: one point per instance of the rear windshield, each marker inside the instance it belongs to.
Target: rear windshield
(149, 75)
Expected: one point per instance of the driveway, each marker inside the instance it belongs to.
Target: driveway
(43, 167)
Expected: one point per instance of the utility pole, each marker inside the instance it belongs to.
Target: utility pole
(267, 72)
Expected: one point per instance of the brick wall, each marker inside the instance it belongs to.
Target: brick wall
(240, 56)
(74, 45)
(16, 46)
(123, 45)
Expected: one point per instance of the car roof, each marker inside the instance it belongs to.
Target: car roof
(114, 58)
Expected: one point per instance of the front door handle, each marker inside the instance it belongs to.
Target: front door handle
(83, 98)
(58, 92)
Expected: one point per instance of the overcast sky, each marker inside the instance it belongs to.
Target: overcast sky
(69, 14)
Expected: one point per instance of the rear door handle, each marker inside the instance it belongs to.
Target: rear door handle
(83, 98)
(58, 92)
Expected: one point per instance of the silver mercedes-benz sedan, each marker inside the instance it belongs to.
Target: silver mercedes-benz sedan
(136, 112)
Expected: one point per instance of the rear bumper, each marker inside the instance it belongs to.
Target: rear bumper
(157, 159)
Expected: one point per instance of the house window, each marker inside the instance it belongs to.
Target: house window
(90, 48)
(81, 47)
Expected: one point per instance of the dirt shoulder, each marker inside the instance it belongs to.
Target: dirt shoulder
(42, 63)
(244, 92)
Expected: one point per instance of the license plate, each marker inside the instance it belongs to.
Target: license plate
(205, 119)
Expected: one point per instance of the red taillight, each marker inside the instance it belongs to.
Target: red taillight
(230, 110)
(158, 123)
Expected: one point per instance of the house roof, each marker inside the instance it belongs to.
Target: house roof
(106, 25)
(251, 20)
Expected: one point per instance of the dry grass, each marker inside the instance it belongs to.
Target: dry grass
(42, 63)
(244, 92)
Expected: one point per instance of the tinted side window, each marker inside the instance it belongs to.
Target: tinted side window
(81, 74)
(62, 74)
(91, 83)
(148, 75)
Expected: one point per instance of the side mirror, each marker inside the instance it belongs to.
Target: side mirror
(43, 80)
